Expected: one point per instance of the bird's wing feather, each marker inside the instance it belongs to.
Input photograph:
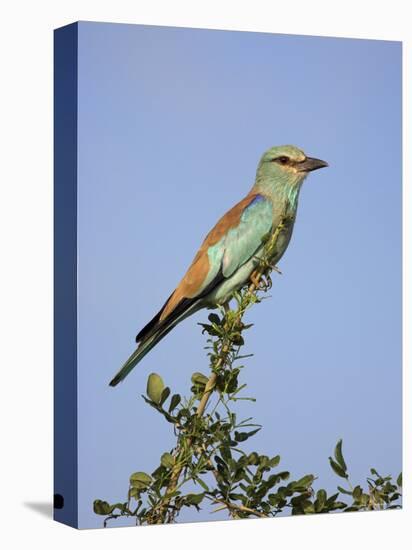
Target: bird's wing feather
(231, 243)
(242, 241)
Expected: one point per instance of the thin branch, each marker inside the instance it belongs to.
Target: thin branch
(239, 508)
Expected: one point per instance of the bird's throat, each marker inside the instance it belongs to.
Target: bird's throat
(283, 193)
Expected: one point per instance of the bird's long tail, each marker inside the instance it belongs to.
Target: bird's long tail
(149, 342)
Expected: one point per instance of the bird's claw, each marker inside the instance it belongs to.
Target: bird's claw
(255, 279)
(265, 282)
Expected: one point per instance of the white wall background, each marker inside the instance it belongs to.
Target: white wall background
(26, 268)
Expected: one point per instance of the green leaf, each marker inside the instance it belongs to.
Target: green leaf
(389, 487)
(297, 501)
(308, 507)
(364, 499)
(276, 499)
(206, 328)
(344, 491)
(102, 507)
(274, 461)
(225, 453)
(199, 378)
(263, 461)
(337, 469)
(399, 480)
(332, 499)
(202, 483)
(164, 396)
(320, 500)
(302, 505)
(174, 402)
(134, 493)
(231, 382)
(338, 505)
(194, 499)
(357, 492)
(213, 318)
(237, 339)
(140, 480)
(253, 459)
(242, 436)
(305, 481)
(183, 413)
(155, 387)
(339, 456)
(237, 496)
(167, 460)
(272, 480)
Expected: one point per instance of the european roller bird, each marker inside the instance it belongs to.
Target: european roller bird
(232, 249)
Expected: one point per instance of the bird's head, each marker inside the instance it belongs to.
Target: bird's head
(286, 164)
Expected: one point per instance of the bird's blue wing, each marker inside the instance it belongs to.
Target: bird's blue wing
(242, 242)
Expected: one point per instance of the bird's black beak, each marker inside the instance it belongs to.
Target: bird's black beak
(310, 164)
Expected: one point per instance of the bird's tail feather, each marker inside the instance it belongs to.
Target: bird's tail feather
(148, 343)
(138, 355)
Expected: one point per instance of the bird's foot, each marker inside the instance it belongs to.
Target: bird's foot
(261, 281)
(265, 282)
(255, 279)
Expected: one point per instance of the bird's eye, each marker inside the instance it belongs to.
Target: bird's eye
(283, 160)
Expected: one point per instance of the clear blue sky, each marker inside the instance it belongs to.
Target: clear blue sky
(172, 123)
